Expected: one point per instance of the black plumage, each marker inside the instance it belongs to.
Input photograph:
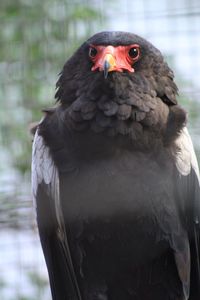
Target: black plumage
(116, 182)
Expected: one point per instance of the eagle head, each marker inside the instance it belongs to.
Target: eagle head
(119, 83)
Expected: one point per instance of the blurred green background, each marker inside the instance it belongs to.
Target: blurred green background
(36, 38)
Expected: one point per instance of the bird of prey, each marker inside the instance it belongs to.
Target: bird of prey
(115, 178)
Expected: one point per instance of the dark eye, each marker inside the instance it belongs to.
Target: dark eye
(92, 52)
(133, 52)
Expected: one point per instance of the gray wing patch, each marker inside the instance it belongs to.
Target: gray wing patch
(43, 169)
(186, 157)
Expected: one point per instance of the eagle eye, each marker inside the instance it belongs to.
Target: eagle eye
(134, 53)
(92, 52)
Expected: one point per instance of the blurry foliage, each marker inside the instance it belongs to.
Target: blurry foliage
(39, 286)
(36, 39)
(38, 281)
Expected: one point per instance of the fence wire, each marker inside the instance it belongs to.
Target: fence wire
(36, 38)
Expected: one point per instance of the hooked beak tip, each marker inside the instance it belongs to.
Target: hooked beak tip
(106, 68)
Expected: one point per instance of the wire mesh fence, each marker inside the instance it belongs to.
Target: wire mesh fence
(36, 39)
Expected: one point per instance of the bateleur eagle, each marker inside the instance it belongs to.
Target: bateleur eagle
(115, 178)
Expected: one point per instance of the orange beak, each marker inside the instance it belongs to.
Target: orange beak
(109, 64)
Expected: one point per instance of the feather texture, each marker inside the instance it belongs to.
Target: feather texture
(116, 182)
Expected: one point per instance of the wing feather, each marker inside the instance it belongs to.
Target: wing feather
(188, 187)
(46, 197)
(186, 157)
(43, 169)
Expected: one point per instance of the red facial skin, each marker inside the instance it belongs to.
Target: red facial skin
(120, 56)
